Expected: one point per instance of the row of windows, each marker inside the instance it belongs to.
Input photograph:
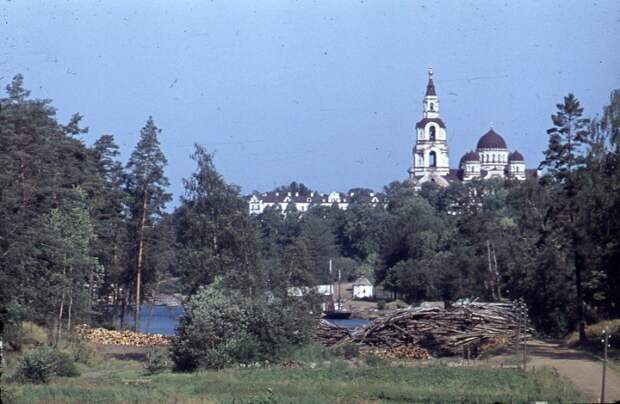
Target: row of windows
(493, 158)
(471, 169)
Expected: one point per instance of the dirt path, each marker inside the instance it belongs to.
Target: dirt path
(581, 369)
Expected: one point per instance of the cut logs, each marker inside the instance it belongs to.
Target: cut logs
(125, 337)
(473, 328)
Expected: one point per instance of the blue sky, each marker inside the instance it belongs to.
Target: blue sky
(326, 92)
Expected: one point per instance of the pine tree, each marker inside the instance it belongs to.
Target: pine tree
(568, 141)
(110, 212)
(146, 185)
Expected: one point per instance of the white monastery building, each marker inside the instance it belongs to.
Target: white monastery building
(431, 162)
(283, 200)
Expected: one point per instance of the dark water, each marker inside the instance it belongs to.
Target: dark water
(164, 320)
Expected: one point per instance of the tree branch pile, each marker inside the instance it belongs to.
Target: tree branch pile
(441, 332)
(329, 334)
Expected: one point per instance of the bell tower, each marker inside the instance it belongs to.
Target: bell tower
(430, 153)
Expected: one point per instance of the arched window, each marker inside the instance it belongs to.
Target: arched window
(494, 158)
(432, 159)
(432, 132)
(432, 107)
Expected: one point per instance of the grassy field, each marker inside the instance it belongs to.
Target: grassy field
(116, 381)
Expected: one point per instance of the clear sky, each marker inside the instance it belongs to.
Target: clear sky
(322, 92)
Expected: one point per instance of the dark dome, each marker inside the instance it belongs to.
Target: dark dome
(470, 156)
(491, 140)
(515, 156)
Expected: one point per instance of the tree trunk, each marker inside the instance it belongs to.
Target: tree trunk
(140, 261)
(59, 320)
(578, 275)
(69, 312)
(125, 301)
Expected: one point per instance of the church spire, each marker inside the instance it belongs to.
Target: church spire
(430, 87)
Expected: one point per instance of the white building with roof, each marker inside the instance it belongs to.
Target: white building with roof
(362, 288)
(258, 202)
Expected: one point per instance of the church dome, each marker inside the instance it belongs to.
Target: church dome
(491, 140)
(515, 156)
(470, 156)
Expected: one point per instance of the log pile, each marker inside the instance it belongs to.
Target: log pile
(402, 352)
(329, 334)
(419, 333)
(441, 331)
(125, 337)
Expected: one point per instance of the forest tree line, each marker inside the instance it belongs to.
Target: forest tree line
(79, 229)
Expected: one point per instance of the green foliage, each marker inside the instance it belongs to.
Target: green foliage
(65, 365)
(221, 327)
(157, 361)
(39, 364)
(215, 235)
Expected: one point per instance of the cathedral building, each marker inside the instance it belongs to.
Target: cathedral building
(431, 163)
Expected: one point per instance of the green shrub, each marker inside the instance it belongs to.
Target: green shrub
(222, 327)
(381, 305)
(157, 361)
(81, 351)
(65, 365)
(38, 365)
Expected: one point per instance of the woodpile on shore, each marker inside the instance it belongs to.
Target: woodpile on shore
(473, 327)
(329, 334)
(125, 337)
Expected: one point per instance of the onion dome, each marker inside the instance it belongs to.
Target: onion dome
(515, 156)
(491, 140)
(469, 157)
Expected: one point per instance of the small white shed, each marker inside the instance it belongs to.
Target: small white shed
(362, 288)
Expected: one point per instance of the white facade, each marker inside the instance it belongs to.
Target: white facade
(362, 288)
(257, 203)
(430, 153)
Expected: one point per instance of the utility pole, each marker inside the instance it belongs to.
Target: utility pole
(605, 342)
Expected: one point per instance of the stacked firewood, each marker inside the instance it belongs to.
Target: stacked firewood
(441, 331)
(329, 334)
(401, 352)
(125, 337)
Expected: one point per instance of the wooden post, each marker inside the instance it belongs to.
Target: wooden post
(605, 341)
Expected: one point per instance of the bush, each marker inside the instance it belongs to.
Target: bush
(38, 365)
(157, 361)
(222, 327)
(381, 305)
(64, 365)
(81, 351)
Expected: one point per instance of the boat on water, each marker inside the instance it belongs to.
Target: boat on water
(335, 309)
(336, 314)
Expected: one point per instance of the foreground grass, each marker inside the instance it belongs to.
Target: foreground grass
(111, 381)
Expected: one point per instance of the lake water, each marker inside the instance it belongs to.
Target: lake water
(164, 320)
